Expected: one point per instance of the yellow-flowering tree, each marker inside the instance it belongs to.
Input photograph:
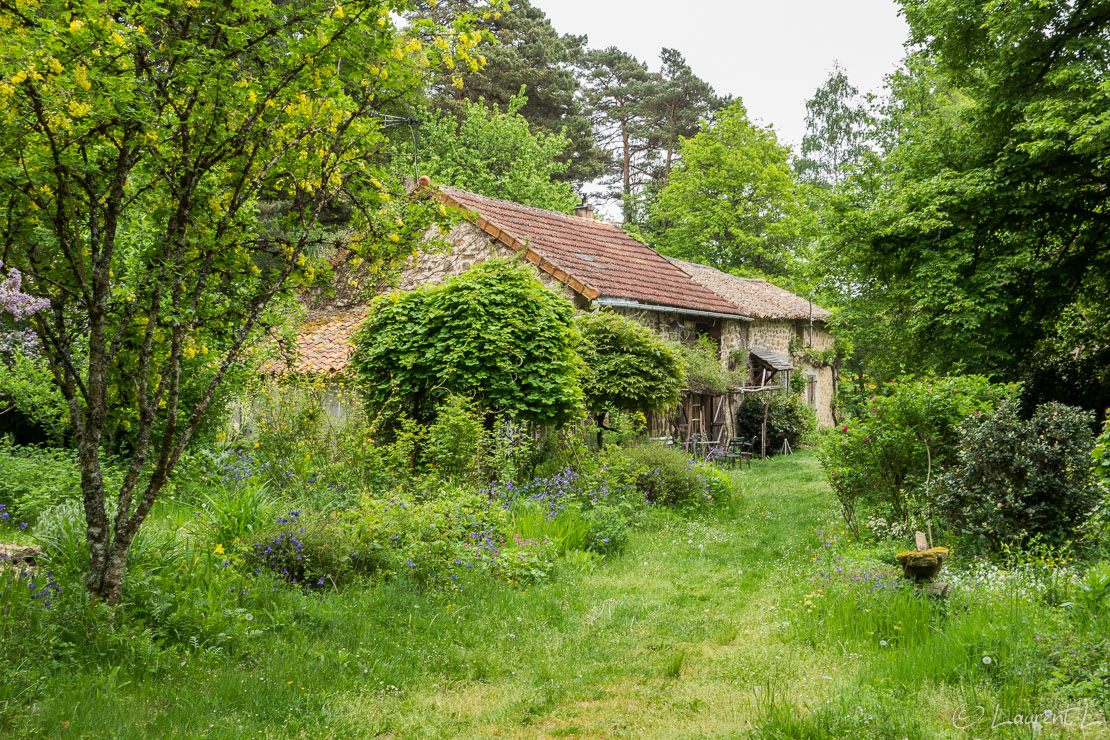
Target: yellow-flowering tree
(171, 172)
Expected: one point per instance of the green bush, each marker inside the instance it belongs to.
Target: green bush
(789, 418)
(1098, 525)
(882, 459)
(669, 477)
(627, 366)
(36, 478)
(493, 333)
(1014, 478)
(608, 529)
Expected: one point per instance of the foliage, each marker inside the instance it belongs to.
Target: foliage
(732, 201)
(669, 477)
(885, 458)
(837, 130)
(494, 153)
(494, 334)
(1098, 526)
(789, 418)
(519, 48)
(969, 245)
(626, 366)
(27, 387)
(174, 176)
(1016, 478)
(38, 478)
(704, 370)
(641, 117)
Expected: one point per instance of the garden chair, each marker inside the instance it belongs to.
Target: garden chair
(739, 448)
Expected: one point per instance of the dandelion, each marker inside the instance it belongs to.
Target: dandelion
(987, 660)
(249, 617)
(882, 643)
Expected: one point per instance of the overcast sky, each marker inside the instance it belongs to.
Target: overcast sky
(771, 53)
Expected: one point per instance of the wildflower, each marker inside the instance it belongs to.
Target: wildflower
(987, 660)
(219, 550)
(249, 617)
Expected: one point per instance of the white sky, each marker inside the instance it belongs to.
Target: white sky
(771, 53)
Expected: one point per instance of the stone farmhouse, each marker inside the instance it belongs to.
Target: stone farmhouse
(595, 264)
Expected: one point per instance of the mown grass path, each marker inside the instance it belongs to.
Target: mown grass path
(681, 636)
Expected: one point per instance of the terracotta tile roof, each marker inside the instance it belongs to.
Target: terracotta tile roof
(324, 346)
(595, 258)
(756, 298)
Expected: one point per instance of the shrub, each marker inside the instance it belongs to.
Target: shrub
(38, 478)
(883, 458)
(310, 551)
(493, 333)
(670, 477)
(456, 443)
(1015, 478)
(626, 366)
(789, 418)
(1098, 524)
(608, 529)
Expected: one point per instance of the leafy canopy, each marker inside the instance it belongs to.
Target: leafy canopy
(494, 334)
(977, 242)
(626, 366)
(732, 201)
(493, 152)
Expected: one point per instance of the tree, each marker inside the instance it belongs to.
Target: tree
(977, 243)
(139, 140)
(681, 101)
(493, 153)
(493, 334)
(617, 86)
(732, 201)
(520, 48)
(640, 117)
(626, 366)
(837, 127)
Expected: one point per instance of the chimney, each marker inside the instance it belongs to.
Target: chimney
(585, 210)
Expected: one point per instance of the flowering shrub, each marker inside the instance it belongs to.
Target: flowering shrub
(1015, 478)
(669, 477)
(883, 458)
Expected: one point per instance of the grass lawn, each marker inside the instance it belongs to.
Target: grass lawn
(702, 628)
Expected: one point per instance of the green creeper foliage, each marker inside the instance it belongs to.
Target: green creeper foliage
(494, 153)
(494, 334)
(626, 366)
(732, 201)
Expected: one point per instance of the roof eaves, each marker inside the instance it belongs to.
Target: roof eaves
(517, 245)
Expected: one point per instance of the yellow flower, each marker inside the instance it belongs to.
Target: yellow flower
(219, 550)
(75, 26)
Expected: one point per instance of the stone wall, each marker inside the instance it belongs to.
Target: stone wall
(471, 245)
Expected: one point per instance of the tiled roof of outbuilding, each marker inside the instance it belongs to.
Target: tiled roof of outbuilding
(604, 261)
(324, 346)
(754, 297)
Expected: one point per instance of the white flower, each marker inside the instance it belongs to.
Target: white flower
(986, 660)
(882, 643)
(248, 616)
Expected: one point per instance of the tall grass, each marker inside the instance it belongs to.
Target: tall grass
(568, 530)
